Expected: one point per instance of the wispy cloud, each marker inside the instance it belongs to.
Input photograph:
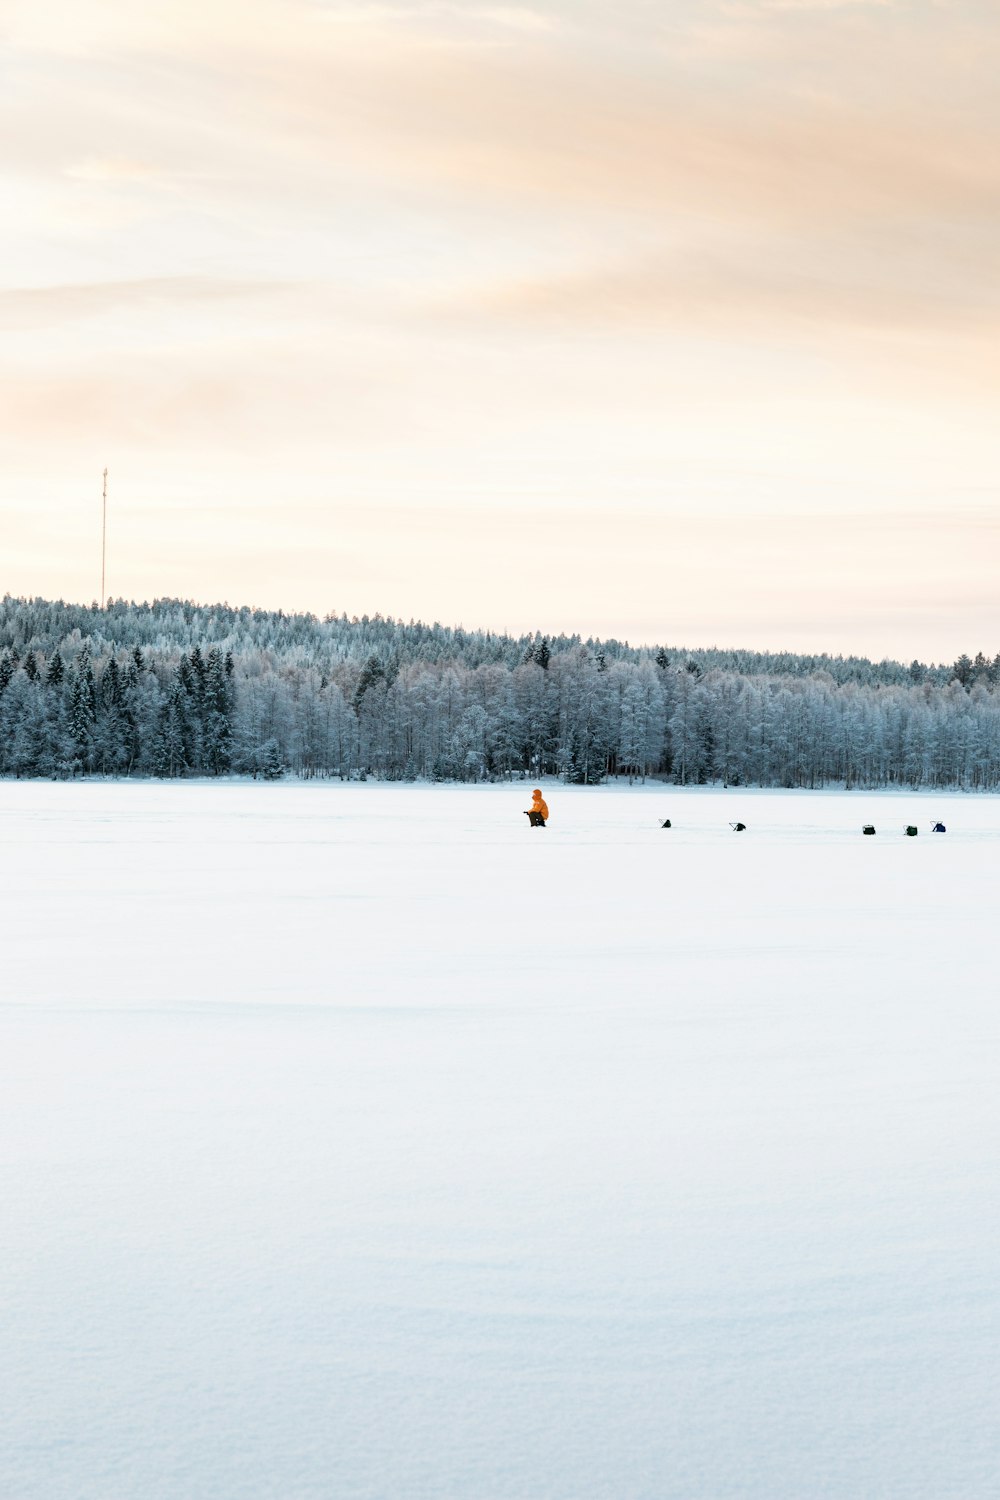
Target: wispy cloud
(112, 169)
(809, 5)
(518, 18)
(764, 290)
(49, 306)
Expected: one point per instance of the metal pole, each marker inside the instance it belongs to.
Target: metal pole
(104, 531)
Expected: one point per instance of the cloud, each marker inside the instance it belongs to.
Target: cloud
(795, 136)
(771, 289)
(516, 17)
(49, 306)
(810, 5)
(114, 169)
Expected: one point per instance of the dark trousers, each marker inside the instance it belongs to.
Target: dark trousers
(536, 820)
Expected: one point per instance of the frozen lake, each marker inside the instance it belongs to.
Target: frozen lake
(360, 1143)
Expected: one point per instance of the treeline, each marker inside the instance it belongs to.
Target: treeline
(42, 625)
(174, 689)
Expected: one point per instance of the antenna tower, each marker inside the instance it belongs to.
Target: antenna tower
(104, 531)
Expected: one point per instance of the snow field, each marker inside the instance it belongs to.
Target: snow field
(360, 1141)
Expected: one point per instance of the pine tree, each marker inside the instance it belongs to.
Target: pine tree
(271, 765)
(171, 749)
(81, 723)
(111, 686)
(198, 674)
(371, 673)
(575, 773)
(217, 723)
(111, 736)
(56, 671)
(186, 677)
(190, 681)
(85, 670)
(23, 727)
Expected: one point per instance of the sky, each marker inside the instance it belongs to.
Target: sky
(670, 320)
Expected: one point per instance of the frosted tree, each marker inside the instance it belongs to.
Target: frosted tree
(216, 714)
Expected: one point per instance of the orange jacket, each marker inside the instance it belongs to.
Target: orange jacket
(539, 805)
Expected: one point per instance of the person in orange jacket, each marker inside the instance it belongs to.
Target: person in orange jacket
(539, 810)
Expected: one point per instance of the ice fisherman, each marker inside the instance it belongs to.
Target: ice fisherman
(539, 809)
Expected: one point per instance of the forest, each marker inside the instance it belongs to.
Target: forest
(174, 689)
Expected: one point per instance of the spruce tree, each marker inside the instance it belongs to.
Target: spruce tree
(111, 687)
(371, 673)
(271, 764)
(198, 674)
(81, 722)
(86, 675)
(111, 737)
(170, 756)
(217, 726)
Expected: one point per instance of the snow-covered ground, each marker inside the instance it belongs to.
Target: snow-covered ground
(361, 1143)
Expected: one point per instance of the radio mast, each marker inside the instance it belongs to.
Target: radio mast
(104, 531)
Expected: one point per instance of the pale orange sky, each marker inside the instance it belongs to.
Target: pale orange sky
(666, 319)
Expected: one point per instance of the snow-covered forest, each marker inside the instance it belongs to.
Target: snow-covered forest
(176, 689)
